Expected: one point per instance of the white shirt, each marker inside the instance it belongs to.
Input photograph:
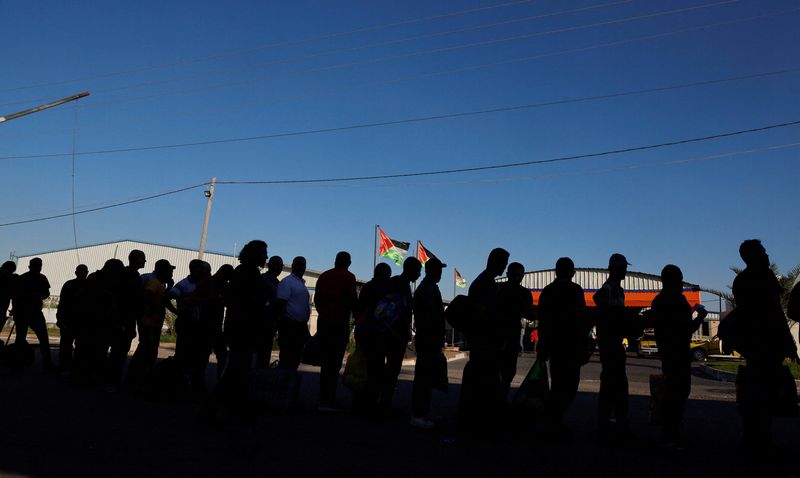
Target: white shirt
(293, 290)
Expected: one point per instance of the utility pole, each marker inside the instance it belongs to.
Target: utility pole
(210, 195)
(43, 107)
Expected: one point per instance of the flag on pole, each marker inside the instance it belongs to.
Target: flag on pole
(423, 254)
(391, 249)
(460, 281)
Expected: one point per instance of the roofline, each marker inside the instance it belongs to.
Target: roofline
(118, 241)
(605, 269)
(20, 256)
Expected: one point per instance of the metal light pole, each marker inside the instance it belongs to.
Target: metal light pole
(43, 107)
(210, 195)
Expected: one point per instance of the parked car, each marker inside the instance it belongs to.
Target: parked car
(700, 348)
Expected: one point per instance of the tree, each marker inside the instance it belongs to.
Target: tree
(787, 282)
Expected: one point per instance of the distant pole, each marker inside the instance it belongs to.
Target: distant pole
(210, 195)
(43, 107)
(375, 247)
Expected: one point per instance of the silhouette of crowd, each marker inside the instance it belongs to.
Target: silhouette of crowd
(236, 314)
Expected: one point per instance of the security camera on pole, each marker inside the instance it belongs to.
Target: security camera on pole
(209, 194)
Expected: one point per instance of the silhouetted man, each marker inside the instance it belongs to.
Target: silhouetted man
(8, 284)
(189, 333)
(389, 330)
(766, 341)
(293, 297)
(563, 340)
(335, 297)
(33, 289)
(245, 299)
(73, 306)
(131, 309)
(671, 316)
(212, 315)
(514, 302)
(428, 342)
(364, 312)
(612, 322)
(152, 321)
(269, 325)
(479, 404)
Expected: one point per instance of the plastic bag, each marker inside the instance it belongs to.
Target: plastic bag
(533, 393)
(355, 371)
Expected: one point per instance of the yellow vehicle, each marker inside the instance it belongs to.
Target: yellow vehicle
(700, 348)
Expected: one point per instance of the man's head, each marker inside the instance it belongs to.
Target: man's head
(35, 265)
(81, 272)
(412, 269)
(163, 270)
(342, 260)
(497, 261)
(275, 266)
(753, 253)
(433, 269)
(9, 267)
(672, 277)
(197, 269)
(382, 272)
(254, 253)
(299, 266)
(136, 259)
(565, 268)
(515, 273)
(617, 266)
(224, 272)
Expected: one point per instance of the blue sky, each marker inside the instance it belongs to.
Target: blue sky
(177, 72)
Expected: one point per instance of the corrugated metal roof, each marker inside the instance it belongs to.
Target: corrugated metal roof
(592, 279)
(59, 266)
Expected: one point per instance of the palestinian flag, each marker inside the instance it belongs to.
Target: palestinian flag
(423, 254)
(391, 249)
(460, 281)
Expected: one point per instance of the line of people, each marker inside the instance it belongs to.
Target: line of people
(237, 312)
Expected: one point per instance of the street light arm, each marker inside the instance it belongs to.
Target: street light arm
(43, 107)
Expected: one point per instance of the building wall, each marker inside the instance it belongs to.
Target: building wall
(59, 266)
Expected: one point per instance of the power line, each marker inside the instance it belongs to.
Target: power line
(446, 171)
(390, 58)
(524, 163)
(423, 36)
(416, 119)
(101, 208)
(266, 46)
(510, 61)
(337, 51)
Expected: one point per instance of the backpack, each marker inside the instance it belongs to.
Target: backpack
(389, 311)
(460, 313)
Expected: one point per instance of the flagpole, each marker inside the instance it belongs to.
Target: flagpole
(375, 247)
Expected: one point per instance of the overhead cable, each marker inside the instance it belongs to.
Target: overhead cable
(267, 46)
(429, 173)
(411, 120)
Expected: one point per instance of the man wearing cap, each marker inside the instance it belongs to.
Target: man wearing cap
(155, 305)
(671, 317)
(564, 341)
(612, 321)
(428, 341)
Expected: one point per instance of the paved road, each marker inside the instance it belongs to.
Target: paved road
(51, 428)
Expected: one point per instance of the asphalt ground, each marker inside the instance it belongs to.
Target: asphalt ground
(49, 427)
